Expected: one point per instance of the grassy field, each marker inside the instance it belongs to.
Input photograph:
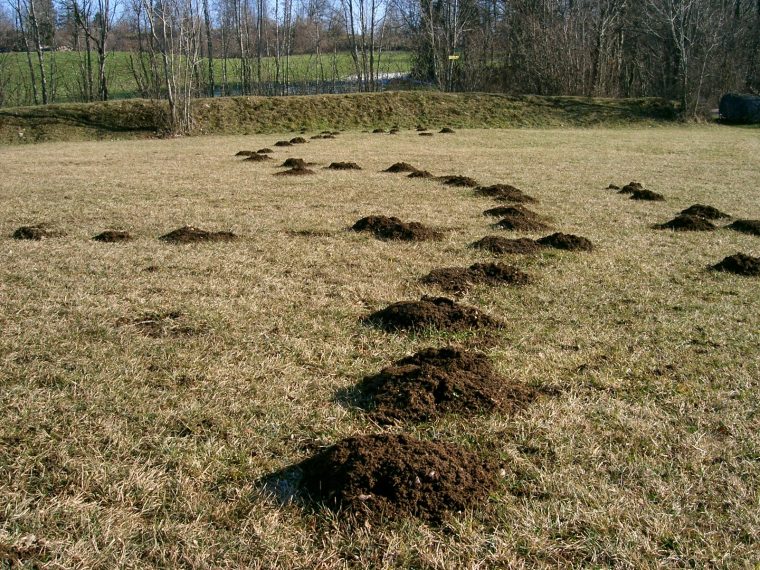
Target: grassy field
(64, 75)
(119, 449)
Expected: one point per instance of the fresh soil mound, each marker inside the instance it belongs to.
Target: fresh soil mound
(435, 382)
(746, 226)
(296, 171)
(431, 312)
(264, 151)
(401, 167)
(378, 131)
(459, 279)
(521, 224)
(113, 236)
(568, 242)
(504, 193)
(294, 163)
(446, 131)
(393, 132)
(513, 211)
(501, 245)
(741, 264)
(244, 153)
(459, 181)
(630, 188)
(706, 212)
(298, 140)
(647, 195)
(283, 143)
(344, 166)
(687, 224)
(397, 476)
(420, 174)
(392, 228)
(36, 233)
(255, 157)
(613, 187)
(424, 134)
(189, 234)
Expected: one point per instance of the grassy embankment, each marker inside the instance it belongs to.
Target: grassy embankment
(247, 115)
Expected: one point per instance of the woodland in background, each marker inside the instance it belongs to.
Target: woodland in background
(690, 51)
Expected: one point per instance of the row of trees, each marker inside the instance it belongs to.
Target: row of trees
(687, 50)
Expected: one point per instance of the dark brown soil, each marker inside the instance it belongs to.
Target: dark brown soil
(401, 167)
(431, 312)
(459, 181)
(298, 140)
(392, 228)
(378, 131)
(344, 166)
(706, 212)
(647, 195)
(425, 134)
(746, 226)
(264, 151)
(113, 236)
(189, 234)
(244, 153)
(161, 324)
(255, 157)
(687, 224)
(298, 171)
(741, 264)
(36, 233)
(435, 382)
(446, 131)
(393, 132)
(397, 476)
(521, 224)
(283, 143)
(505, 193)
(630, 188)
(420, 174)
(568, 242)
(613, 187)
(513, 211)
(294, 163)
(460, 279)
(502, 245)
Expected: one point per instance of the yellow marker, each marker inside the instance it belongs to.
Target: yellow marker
(453, 57)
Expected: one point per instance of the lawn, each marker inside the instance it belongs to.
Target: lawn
(125, 445)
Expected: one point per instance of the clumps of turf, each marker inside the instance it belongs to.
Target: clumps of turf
(189, 234)
(420, 174)
(264, 151)
(446, 131)
(431, 313)
(501, 245)
(258, 158)
(706, 212)
(460, 279)
(740, 264)
(751, 227)
(567, 242)
(458, 181)
(113, 236)
(629, 188)
(161, 324)
(397, 476)
(521, 219)
(504, 193)
(684, 223)
(35, 233)
(344, 166)
(401, 167)
(391, 228)
(298, 140)
(647, 195)
(441, 381)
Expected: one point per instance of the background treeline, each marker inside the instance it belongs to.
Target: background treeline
(87, 50)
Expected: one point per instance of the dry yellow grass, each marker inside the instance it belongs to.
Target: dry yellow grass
(123, 450)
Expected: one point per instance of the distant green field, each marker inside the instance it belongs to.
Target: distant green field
(65, 78)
